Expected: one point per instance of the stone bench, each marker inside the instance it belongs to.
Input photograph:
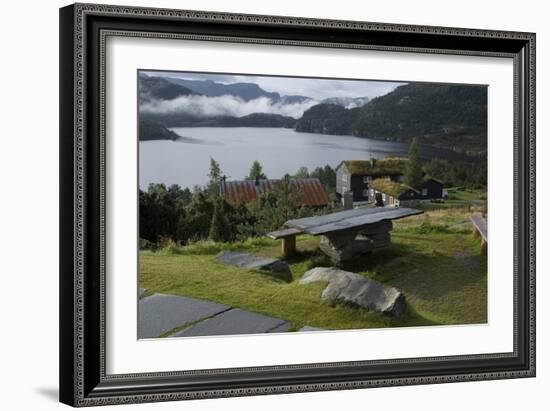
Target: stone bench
(479, 229)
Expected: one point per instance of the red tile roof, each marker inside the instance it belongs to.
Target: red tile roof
(246, 191)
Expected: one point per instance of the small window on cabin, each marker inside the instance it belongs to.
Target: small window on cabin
(365, 193)
(367, 179)
(424, 191)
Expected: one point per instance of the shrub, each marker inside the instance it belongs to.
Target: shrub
(145, 244)
(169, 247)
(427, 227)
(319, 260)
(204, 247)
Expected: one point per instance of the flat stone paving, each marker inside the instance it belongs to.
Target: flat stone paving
(235, 321)
(160, 313)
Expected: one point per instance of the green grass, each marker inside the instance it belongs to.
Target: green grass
(467, 195)
(441, 272)
(463, 199)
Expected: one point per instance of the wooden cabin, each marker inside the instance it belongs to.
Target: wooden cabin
(384, 192)
(356, 175)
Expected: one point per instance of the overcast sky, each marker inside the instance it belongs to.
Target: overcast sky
(315, 88)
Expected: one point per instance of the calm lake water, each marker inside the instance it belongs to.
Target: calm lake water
(186, 161)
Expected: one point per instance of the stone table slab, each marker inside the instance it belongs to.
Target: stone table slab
(160, 313)
(235, 321)
(349, 219)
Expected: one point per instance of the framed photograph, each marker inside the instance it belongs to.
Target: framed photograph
(261, 204)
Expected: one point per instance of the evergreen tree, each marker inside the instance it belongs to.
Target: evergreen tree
(215, 173)
(287, 201)
(256, 172)
(302, 173)
(215, 177)
(413, 172)
(220, 229)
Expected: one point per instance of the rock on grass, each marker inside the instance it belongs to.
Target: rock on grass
(357, 290)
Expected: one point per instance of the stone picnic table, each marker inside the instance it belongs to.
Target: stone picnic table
(345, 234)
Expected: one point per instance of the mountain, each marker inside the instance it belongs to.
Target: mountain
(347, 102)
(158, 88)
(294, 99)
(326, 119)
(250, 120)
(151, 130)
(245, 91)
(449, 116)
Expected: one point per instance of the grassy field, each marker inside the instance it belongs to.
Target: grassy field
(466, 199)
(433, 260)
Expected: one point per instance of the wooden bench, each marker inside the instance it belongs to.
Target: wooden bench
(479, 229)
(288, 235)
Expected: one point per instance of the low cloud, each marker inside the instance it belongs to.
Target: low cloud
(203, 106)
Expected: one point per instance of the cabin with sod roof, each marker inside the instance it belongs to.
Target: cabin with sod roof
(384, 192)
(355, 175)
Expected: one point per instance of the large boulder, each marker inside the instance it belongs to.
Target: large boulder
(240, 259)
(358, 290)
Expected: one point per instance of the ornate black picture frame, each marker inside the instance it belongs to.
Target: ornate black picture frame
(83, 31)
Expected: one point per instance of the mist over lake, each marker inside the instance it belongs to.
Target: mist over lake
(279, 150)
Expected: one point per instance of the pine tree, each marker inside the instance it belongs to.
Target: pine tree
(256, 172)
(413, 172)
(302, 173)
(220, 231)
(215, 178)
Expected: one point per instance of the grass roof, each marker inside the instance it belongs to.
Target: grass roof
(392, 188)
(386, 166)
(429, 177)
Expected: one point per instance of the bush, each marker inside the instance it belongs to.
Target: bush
(208, 247)
(145, 244)
(427, 228)
(168, 246)
(319, 260)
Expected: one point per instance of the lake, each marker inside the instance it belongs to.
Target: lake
(279, 150)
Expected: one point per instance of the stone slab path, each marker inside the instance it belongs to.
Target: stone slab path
(160, 313)
(236, 321)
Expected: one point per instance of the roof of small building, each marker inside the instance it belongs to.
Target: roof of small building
(386, 166)
(392, 188)
(428, 177)
(245, 191)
